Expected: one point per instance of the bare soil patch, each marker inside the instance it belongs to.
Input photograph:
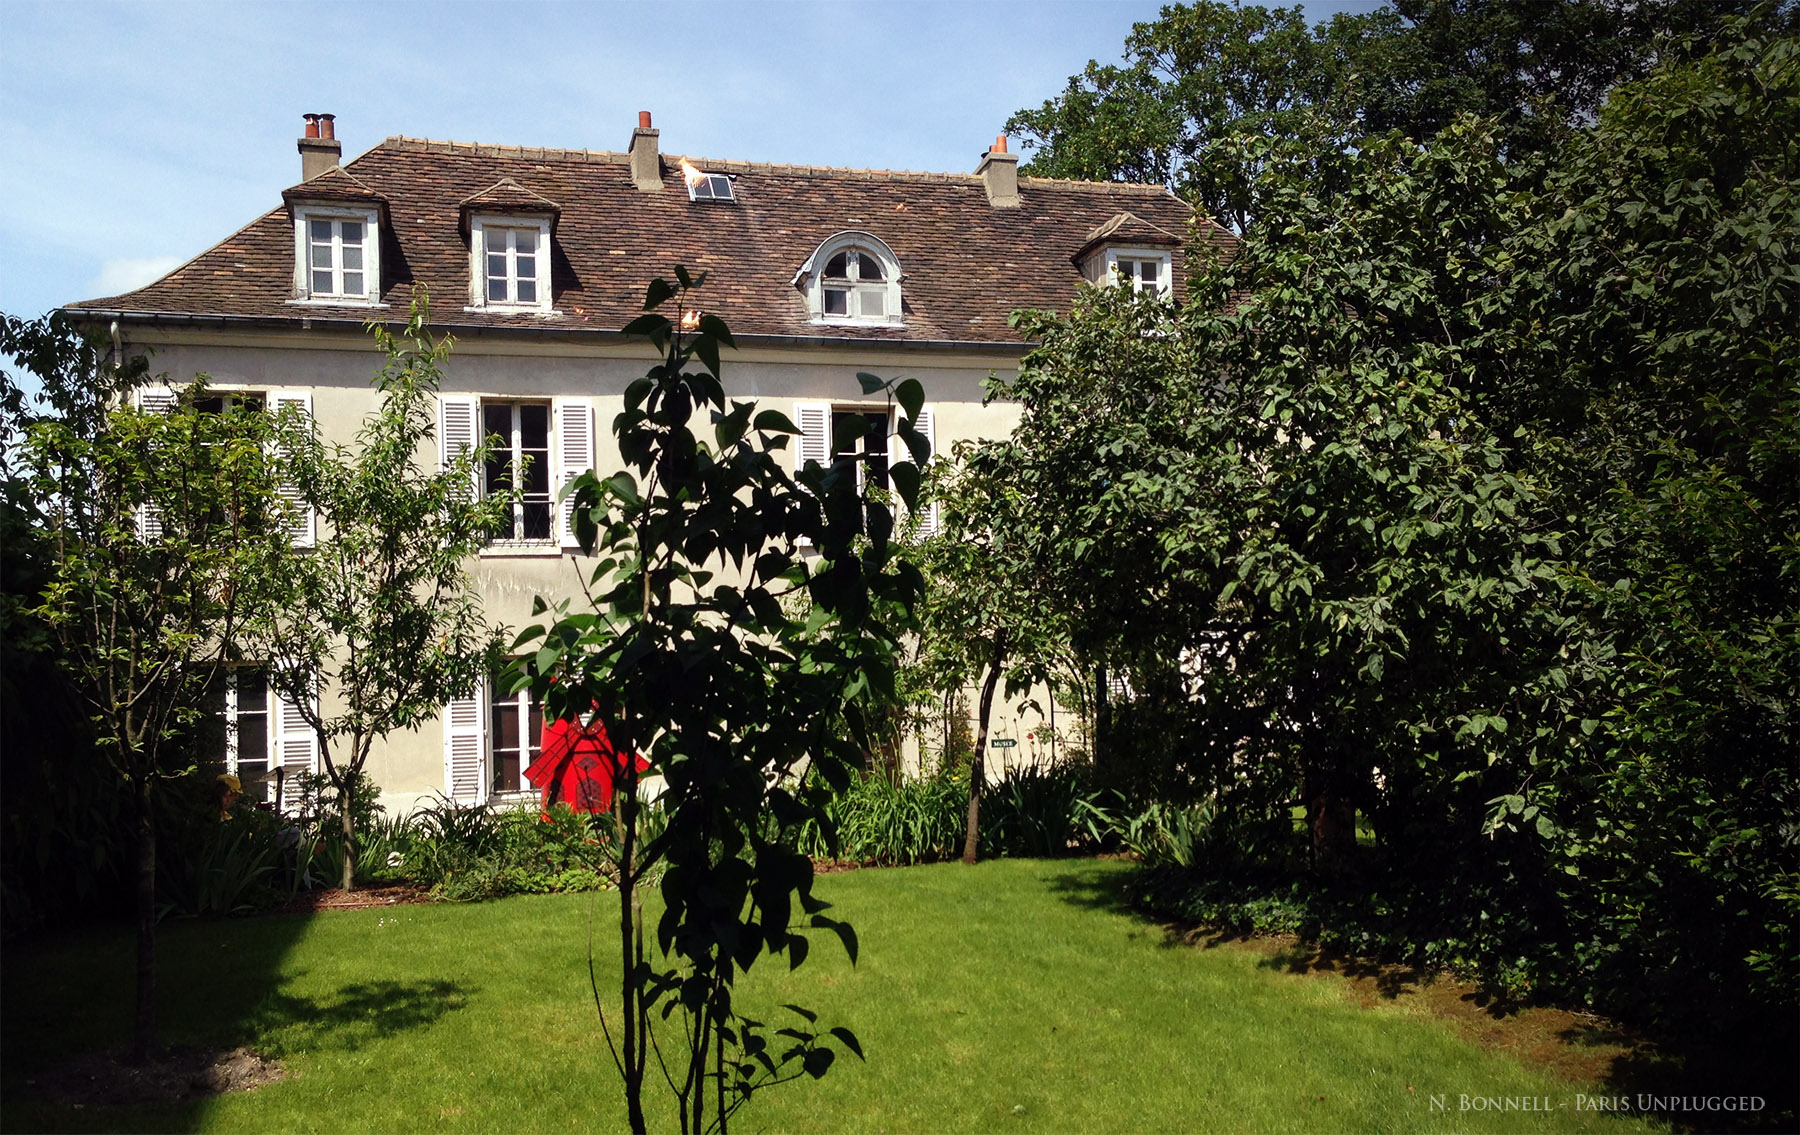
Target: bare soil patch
(334, 898)
(178, 1072)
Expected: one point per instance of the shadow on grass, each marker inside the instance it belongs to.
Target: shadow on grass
(1679, 1078)
(221, 984)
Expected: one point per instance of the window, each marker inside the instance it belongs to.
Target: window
(854, 287)
(338, 256)
(490, 739)
(862, 437)
(1146, 272)
(518, 465)
(703, 186)
(238, 721)
(832, 433)
(1141, 275)
(511, 257)
(249, 729)
(852, 278)
(535, 448)
(515, 738)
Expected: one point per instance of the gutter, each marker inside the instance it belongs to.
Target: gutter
(561, 334)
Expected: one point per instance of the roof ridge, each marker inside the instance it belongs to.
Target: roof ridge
(735, 165)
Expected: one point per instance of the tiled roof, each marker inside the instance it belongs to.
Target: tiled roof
(333, 185)
(1128, 229)
(966, 264)
(508, 195)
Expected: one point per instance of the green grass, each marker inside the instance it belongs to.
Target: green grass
(1010, 996)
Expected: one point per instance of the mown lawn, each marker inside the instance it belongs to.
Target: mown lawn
(1010, 996)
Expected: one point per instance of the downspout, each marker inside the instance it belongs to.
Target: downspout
(118, 358)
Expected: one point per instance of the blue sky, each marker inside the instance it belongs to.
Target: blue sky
(137, 135)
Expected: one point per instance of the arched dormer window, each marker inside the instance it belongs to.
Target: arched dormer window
(852, 278)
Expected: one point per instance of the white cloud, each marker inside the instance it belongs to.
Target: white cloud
(123, 274)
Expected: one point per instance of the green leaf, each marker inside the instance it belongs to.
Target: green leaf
(774, 421)
(870, 383)
(911, 397)
(658, 293)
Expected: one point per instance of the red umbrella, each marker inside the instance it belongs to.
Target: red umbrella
(576, 766)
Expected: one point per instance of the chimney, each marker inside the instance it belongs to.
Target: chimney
(319, 147)
(646, 166)
(1000, 171)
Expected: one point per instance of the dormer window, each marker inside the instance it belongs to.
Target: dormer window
(852, 278)
(1147, 271)
(338, 255)
(511, 262)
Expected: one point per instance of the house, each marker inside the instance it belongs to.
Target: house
(535, 258)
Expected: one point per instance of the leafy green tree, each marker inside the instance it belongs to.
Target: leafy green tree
(980, 619)
(1205, 73)
(683, 647)
(160, 524)
(380, 625)
(1464, 496)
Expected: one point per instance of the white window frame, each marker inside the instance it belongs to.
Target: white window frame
(572, 443)
(812, 276)
(1107, 263)
(478, 226)
(303, 289)
(514, 446)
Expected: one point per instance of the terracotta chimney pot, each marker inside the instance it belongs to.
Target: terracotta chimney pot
(643, 120)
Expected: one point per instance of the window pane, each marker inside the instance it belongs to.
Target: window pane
(874, 305)
(838, 267)
(353, 232)
(527, 266)
(534, 426)
(322, 283)
(497, 288)
(253, 691)
(321, 230)
(353, 256)
(527, 290)
(868, 267)
(837, 302)
(321, 256)
(1148, 270)
(506, 722)
(353, 285)
(537, 520)
(496, 264)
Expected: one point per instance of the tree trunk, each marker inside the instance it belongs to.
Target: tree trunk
(346, 806)
(144, 1028)
(1102, 718)
(978, 770)
(1331, 821)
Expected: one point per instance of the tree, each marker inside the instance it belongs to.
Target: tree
(1203, 74)
(1464, 497)
(380, 625)
(980, 618)
(683, 648)
(161, 524)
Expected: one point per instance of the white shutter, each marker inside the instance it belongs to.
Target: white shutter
(575, 456)
(465, 744)
(459, 429)
(296, 745)
(926, 424)
(153, 400)
(814, 420)
(305, 523)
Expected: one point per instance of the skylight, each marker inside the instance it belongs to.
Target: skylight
(703, 186)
